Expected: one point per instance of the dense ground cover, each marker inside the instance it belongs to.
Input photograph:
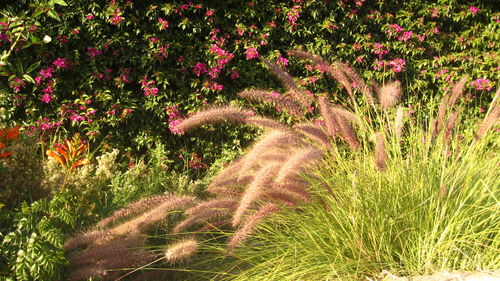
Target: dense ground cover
(95, 97)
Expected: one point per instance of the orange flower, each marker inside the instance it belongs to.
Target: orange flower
(70, 153)
(7, 135)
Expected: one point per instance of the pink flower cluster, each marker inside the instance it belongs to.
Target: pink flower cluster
(16, 84)
(196, 162)
(380, 50)
(163, 23)
(93, 52)
(116, 19)
(293, 15)
(397, 65)
(482, 84)
(251, 53)
(61, 63)
(213, 86)
(174, 118)
(473, 10)
(148, 88)
(199, 69)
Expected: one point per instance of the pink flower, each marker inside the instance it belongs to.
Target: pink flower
(380, 50)
(199, 69)
(474, 10)
(482, 84)
(209, 13)
(48, 90)
(398, 64)
(61, 63)
(406, 36)
(93, 52)
(163, 23)
(46, 98)
(251, 53)
(76, 118)
(47, 72)
(89, 16)
(434, 13)
(234, 74)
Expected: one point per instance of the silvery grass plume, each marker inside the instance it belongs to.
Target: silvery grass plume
(390, 94)
(263, 179)
(296, 164)
(246, 228)
(213, 115)
(491, 118)
(325, 66)
(181, 251)
(289, 83)
(281, 102)
(380, 152)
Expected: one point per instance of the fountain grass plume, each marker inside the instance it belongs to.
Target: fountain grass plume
(380, 152)
(347, 130)
(246, 228)
(457, 90)
(324, 65)
(325, 109)
(267, 123)
(205, 216)
(118, 247)
(491, 117)
(140, 223)
(450, 126)
(360, 83)
(213, 115)
(297, 163)
(398, 123)
(268, 142)
(181, 251)
(279, 196)
(231, 182)
(390, 94)
(441, 117)
(313, 133)
(297, 189)
(263, 178)
(141, 205)
(217, 203)
(87, 238)
(288, 82)
(281, 102)
(225, 191)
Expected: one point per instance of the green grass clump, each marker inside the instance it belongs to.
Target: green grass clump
(433, 208)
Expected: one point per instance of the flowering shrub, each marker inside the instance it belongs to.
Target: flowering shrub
(115, 69)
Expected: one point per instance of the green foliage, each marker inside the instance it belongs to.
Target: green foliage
(33, 250)
(21, 174)
(124, 62)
